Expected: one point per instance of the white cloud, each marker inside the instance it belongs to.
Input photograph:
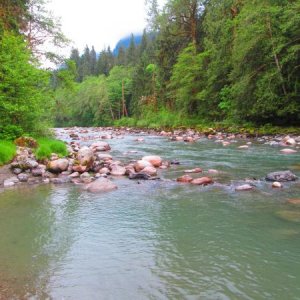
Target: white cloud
(100, 23)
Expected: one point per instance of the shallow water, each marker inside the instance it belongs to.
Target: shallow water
(157, 239)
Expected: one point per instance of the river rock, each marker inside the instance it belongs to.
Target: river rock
(85, 157)
(185, 179)
(24, 163)
(8, 183)
(79, 168)
(244, 187)
(141, 164)
(105, 171)
(288, 151)
(202, 181)
(101, 185)
(155, 160)
(139, 176)
(100, 146)
(196, 170)
(60, 180)
(58, 166)
(17, 171)
(37, 172)
(281, 176)
(276, 184)
(150, 171)
(117, 170)
(74, 175)
(86, 177)
(23, 177)
(243, 147)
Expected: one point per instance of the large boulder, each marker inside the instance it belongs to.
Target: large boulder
(281, 176)
(58, 166)
(85, 157)
(155, 160)
(101, 185)
(100, 146)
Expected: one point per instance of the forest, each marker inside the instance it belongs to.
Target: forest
(198, 63)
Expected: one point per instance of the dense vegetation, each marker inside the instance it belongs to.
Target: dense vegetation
(229, 61)
(198, 62)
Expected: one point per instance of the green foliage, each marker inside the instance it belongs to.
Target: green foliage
(24, 94)
(10, 132)
(49, 146)
(7, 151)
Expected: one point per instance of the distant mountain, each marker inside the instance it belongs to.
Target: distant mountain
(124, 42)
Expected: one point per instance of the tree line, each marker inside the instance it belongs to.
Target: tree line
(213, 60)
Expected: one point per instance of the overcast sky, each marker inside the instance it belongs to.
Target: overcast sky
(100, 23)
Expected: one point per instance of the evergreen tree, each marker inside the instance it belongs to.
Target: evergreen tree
(131, 52)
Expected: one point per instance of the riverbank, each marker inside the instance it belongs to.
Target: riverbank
(90, 165)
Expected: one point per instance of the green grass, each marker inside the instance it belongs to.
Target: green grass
(7, 152)
(48, 146)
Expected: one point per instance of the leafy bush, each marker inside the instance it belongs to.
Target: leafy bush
(10, 132)
(7, 152)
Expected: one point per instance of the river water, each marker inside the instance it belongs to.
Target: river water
(157, 239)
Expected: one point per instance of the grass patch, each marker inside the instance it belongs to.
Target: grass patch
(48, 146)
(7, 152)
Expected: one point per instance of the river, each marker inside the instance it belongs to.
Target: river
(157, 239)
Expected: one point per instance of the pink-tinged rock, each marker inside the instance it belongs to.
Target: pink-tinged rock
(150, 171)
(101, 185)
(291, 142)
(196, 170)
(294, 201)
(117, 170)
(244, 187)
(276, 184)
(74, 175)
(202, 181)
(288, 151)
(79, 168)
(243, 147)
(155, 160)
(141, 164)
(100, 146)
(179, 138)
(185, 179)
(85, 157)
(104, 171)
(225, 144)
(58, 166)
(213, 171)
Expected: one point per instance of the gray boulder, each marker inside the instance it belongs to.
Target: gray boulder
(281, 176)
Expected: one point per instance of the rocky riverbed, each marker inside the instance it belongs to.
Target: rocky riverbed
(91, 165)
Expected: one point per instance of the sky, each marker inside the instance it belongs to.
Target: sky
(99, 23)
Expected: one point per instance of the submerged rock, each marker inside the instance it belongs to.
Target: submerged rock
(244, 187)
(294, 201)
(185, 179)
(289, 215)
(202, 181)
(288, 151)
(281, 176)
(196, 170)
(139, 176)
(101, 185)
(276, 184)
